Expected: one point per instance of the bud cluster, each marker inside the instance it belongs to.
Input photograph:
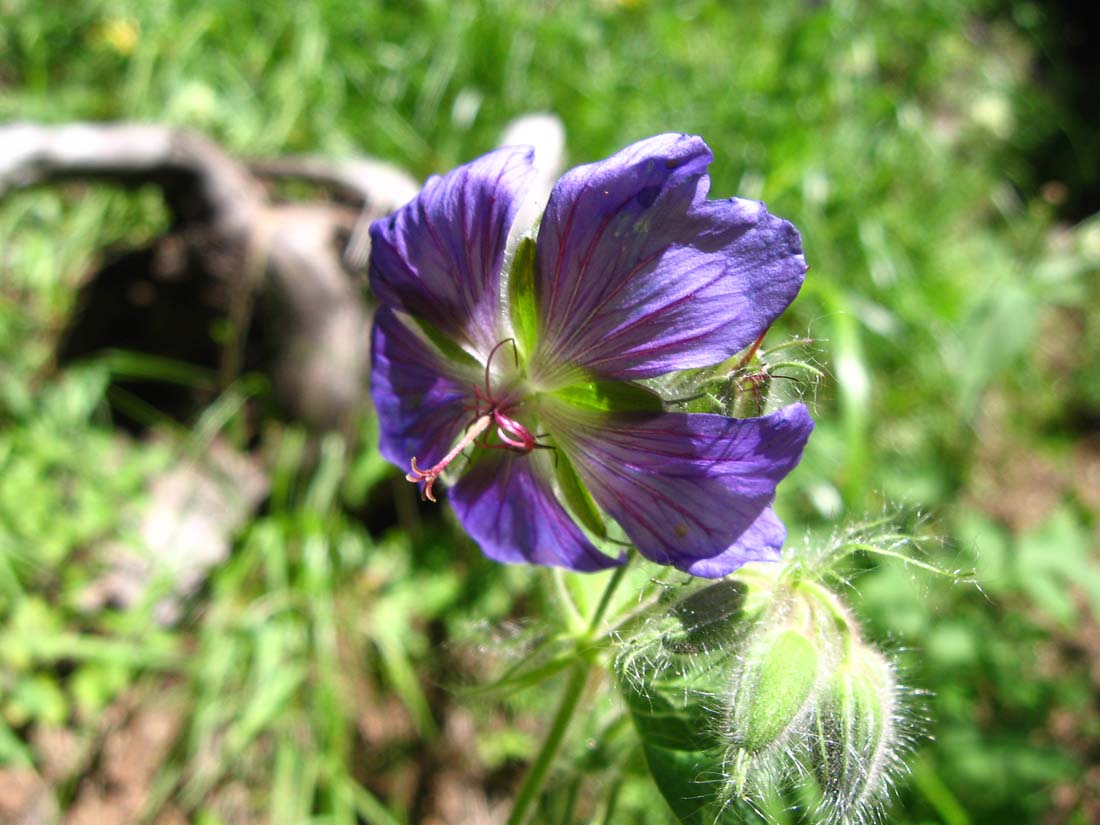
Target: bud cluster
(742, 386)
(760, 683)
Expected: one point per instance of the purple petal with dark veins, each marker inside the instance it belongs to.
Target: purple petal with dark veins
(439, 257)
(690, 490)
(639, 274)
(418, 394)
(506, 503)
(762, 540)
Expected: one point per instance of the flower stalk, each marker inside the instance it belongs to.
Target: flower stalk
(567, 706)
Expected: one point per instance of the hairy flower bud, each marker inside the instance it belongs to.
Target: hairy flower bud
(856, 737)
(773, 688)
(757, 684)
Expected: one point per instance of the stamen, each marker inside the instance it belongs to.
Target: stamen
(513, 434)
(429, 476)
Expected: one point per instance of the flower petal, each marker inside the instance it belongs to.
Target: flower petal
(762, 540)
(506, 503)
(690, 490)
(418, 393)
(439, 257)
(640, 274)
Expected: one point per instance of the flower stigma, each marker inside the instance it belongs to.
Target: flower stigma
(488, 410)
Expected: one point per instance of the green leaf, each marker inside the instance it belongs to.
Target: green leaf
(522, 300)
(671, 714)
(610, 396)
(676, 774)
(672, 697)
(690, 781)
(709, 619)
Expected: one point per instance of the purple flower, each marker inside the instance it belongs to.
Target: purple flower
(514, 370)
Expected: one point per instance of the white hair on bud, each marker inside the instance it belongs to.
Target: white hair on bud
(843, 769)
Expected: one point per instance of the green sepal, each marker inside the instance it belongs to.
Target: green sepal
(610, 396)
(576, 496)
(853, 728)
(447, 348)
(522, 300)
(775, 689)
(748, 394)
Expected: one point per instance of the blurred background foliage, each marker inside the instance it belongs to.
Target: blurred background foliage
(941, 161)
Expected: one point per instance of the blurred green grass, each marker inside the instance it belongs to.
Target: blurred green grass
(958, 319)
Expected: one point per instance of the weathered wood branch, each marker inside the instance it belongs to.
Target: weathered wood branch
(278, 258)
(288, 268)
(200, 181)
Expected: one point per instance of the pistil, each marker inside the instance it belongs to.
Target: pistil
(480, 425)
(513, 435)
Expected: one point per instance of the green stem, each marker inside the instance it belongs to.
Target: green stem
(605, 599)
(576, 621)
(570, 698)
(612, 801)
(532, 783)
